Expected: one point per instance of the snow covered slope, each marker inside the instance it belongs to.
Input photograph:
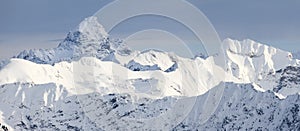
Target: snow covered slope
(93, 82)
(90, 74)
(241, 108)
(252, 62)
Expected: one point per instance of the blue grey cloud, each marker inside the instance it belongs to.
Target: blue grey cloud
(55, 40)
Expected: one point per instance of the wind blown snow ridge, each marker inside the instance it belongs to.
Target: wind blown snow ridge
(93, 82)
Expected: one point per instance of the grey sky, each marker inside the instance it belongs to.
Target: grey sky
(41, 23)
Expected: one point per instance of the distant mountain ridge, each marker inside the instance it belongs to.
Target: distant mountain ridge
(89, 39)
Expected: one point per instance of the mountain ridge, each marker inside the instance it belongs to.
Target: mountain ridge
(61, 88)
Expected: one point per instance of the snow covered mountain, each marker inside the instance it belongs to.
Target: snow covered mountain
(252, 62)
(93, 82)
(89, 39)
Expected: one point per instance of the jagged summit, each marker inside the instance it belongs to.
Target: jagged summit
(89, 30)
(249, 60)
(89, 39)
(260, 64)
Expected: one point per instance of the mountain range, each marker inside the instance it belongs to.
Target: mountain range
(91, 81)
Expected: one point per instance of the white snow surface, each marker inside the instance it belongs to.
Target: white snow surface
(92, 28)
(90, 74)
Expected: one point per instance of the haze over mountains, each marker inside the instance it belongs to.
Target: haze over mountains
(94, 82)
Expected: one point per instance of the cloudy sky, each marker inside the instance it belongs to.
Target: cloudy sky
(43, 23)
